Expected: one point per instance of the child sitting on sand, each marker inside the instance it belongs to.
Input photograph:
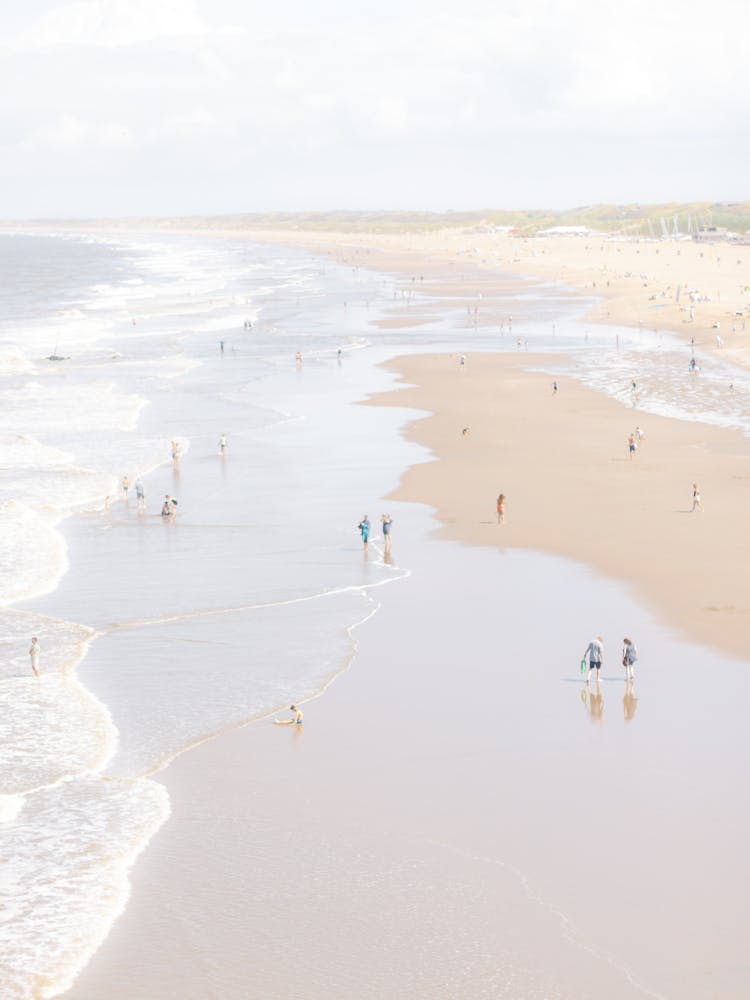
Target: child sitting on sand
(296, 721)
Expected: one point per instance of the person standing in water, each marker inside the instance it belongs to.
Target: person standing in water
(125, 487)
(387, 522)
(629, 657)
(595, 653)
(222, 444)
(140, 496)
(364, 530)
(169, 507)
(34, 655)
(175, 455)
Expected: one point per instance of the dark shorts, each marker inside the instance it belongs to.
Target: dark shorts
(595, 664)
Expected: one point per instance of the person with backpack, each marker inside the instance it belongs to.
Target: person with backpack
(629, 657)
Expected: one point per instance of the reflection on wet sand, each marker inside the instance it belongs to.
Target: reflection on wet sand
(593, 702)
(629, 701)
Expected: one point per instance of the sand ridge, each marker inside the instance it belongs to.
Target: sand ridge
(563, 462)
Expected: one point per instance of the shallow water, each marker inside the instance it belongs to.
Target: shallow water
(248, 599)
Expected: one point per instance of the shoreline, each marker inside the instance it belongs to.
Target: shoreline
(319, 838)
(696, 290)
(562, 461)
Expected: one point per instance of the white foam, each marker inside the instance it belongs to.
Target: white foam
(72, 846)
(10, 807)
(33, 554)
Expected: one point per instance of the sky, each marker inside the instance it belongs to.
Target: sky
(175, 107)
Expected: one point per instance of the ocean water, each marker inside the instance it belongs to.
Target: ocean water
(158, 635)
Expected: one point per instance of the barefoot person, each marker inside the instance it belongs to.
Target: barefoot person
(631, 444)
(296, 721)
(595, 653)
(125, 487)
(169, 507)
(140, 495)
(34, 655)
(697, 505)
(387, 522)
(629, 657)
(501, 509)
(364, 530)
(222, 444)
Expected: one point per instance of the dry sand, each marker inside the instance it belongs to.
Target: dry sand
(563, 462)
(451, 824)
(636, 282)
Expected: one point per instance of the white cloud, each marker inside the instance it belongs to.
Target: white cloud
(71, 134)
(114, 23)
(413, 97)
(68, 132)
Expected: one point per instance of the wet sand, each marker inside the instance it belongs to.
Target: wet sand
(461, 816)
(563, 462)
(697, 290)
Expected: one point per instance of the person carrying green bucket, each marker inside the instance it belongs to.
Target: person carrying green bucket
(595, 653)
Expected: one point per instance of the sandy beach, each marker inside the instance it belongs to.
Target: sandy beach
(562, 459)
(459, 817)
(698, 290)
(458, 796)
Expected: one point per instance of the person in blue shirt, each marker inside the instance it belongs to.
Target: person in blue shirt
(595, 653)
(364, 530)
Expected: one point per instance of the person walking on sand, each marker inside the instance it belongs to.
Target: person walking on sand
(222, 444)
(595, 653)
(638, 435)
(296, 721)
(501, 509)
(629, 657)
(140, 496)
(125, 487)
(34, 655)
(697, 505)
(554, 388)
(364, 530)
(631, 445)
(387, 522)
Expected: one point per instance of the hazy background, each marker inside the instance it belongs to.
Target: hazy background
(115, 107)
